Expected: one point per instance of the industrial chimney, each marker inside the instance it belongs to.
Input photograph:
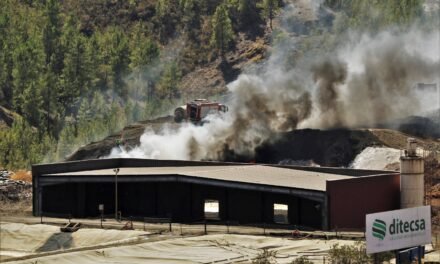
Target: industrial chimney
(411, 176)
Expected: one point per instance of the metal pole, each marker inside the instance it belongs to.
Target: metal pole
(40, 206)
(116, 193)
(419, 259)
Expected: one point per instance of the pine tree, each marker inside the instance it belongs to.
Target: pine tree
(94, 61)
(115, 59)
(168, 84)
(144, 55)
(53, 56)
(75, 75)
(269, 9)
(222, 33)
(32, 104)
(5, 56)
(161, 11)
(27, 67)
(144, 50)
(52, 35)
(191, 18)
(66, 143)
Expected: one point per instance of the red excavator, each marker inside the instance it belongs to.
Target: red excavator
(198, 109)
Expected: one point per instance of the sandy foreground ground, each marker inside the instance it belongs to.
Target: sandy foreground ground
(41, 243)
(22, 243)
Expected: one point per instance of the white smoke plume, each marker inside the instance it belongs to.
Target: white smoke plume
(365, 81)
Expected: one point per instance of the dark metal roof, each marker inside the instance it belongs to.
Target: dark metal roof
(253, 174)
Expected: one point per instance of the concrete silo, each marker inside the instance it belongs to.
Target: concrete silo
(411, 177)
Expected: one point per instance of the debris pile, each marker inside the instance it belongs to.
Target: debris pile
(377, 158)
(309, 162)
(13, 190)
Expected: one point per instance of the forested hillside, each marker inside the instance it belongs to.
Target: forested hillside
(78, 70)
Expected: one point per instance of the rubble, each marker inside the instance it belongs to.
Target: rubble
(13, 190)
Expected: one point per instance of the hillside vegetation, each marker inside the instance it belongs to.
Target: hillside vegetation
(76, 71)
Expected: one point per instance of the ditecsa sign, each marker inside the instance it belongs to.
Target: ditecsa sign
(398, 229)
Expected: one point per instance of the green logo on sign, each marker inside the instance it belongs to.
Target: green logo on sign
(379, 229)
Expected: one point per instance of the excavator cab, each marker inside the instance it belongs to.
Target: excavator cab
(223, 108)
(193, 112)
(198, 109)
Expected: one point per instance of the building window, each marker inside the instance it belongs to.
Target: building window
(212, 209)
(281, 213)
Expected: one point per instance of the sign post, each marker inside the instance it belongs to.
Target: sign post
(398, 229)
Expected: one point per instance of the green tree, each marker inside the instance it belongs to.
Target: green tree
(66, 142)
(21, 145)
(144, 55)
(115, 59)
(52, 32)
(75, 75)
(27, 60)
(269, 8)
(52, 35)
(222, 33)
(246, 11)
(166, 18)
(375, 14)
(32, 104)
(191, 17)
(168, 84)
(94, 61)
(144, 50)
(5, 55)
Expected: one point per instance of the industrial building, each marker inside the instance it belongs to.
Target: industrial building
(193, 191)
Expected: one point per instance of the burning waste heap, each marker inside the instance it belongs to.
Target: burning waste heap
(367, 81)
(363, 80)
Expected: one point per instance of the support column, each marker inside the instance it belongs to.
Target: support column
(39, 201)
(324, 213)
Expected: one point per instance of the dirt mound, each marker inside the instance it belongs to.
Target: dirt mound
(420, 126)
(336, 147)
(326, 147)
(128, 137)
